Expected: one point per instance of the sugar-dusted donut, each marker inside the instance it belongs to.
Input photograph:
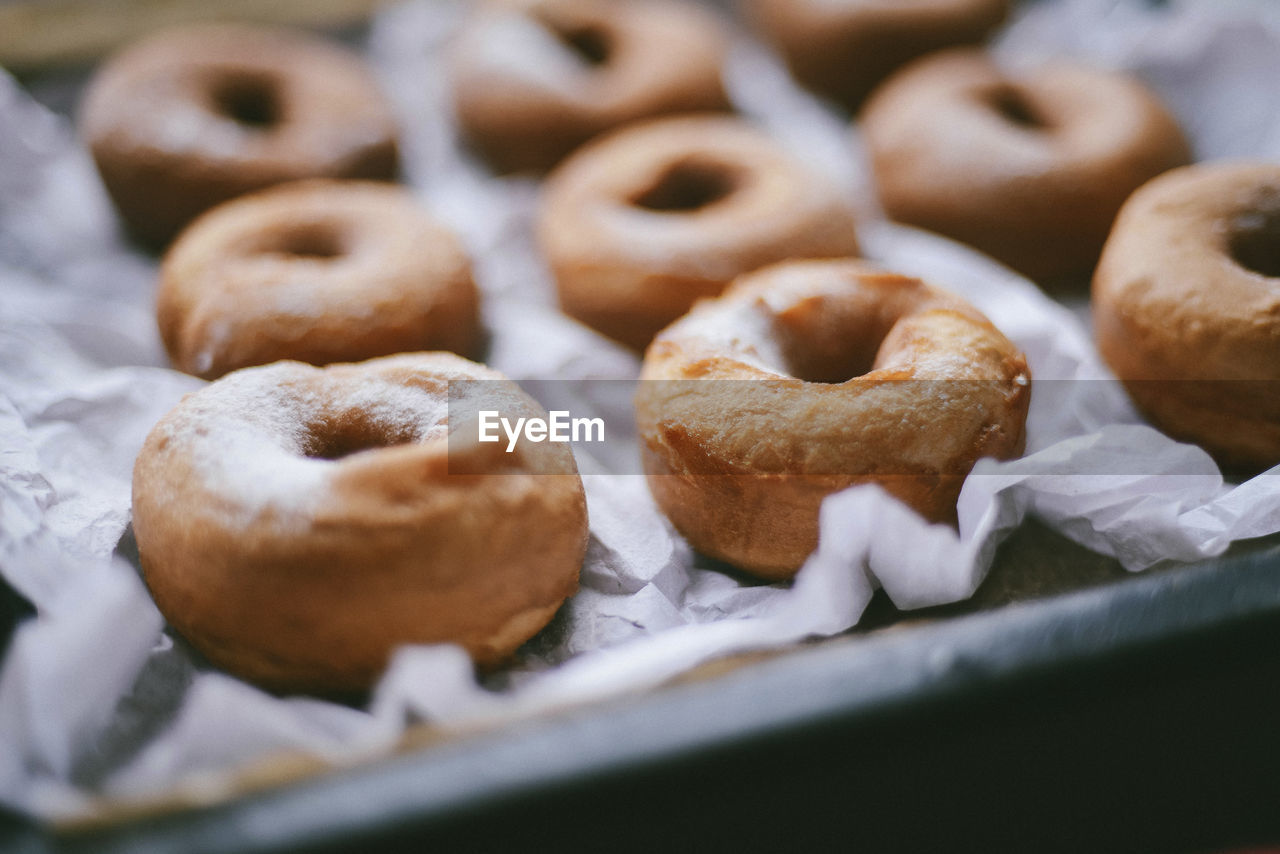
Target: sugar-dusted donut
(191, 117)
(1186, 307)
(639, 224)
(843, 49)
(296, 524)
(319, 271)
(1031, 169)
(809, 377)
(534, 79)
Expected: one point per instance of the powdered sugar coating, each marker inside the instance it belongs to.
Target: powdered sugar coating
(318, 271)
(742, 329)
(253, 435)
(296, 524)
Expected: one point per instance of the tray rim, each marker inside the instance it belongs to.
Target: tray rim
(850, 677)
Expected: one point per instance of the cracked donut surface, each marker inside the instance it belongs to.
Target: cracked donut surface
(809, 377)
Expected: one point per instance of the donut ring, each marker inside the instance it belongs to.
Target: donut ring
(639, 224)
(1030, 170)
(534, 79)
(191, 117)
(843, 50)
(318, 271)
(1186, 308)
(748, 417)
(296, 524)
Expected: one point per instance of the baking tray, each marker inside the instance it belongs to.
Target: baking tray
(1133, 715)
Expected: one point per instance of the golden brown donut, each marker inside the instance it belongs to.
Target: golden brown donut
(639, 224)
(842, 50)
(318, 271)
(296, 524)
(809, 377)
(1186, 307)
(1029, 169)
(191, 117)
(534, 79)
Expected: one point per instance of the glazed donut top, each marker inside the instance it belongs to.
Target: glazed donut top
(830, 347)
(1192, 270)
(319, 271)
(604, 58)
(267, 104)
(707, 196)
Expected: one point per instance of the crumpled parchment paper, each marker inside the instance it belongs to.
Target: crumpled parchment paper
(96, 698)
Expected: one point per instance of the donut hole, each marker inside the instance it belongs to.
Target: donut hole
(825, 340)
(344, 436)
(317, 241)
(687, 186)
(1255, 241)
(592, 45)
(251, 100)
(831, 361)
(1012, 105)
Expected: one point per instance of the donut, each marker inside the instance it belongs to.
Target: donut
(639, 224)
(535, 79)
(842, 50)
(319, 271)
(1028, 169)
(1186, 308)
(295, 524)
(191, 117)
(809, 377)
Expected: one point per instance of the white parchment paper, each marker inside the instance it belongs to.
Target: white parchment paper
(96, 698)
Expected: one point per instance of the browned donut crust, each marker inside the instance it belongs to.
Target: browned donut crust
(810, 377)
(318, 271)
(1186, 307)
(843, 50)
(534, 79)
(1029, 169)
(296, 524)
(639, 224)
(191, 117)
